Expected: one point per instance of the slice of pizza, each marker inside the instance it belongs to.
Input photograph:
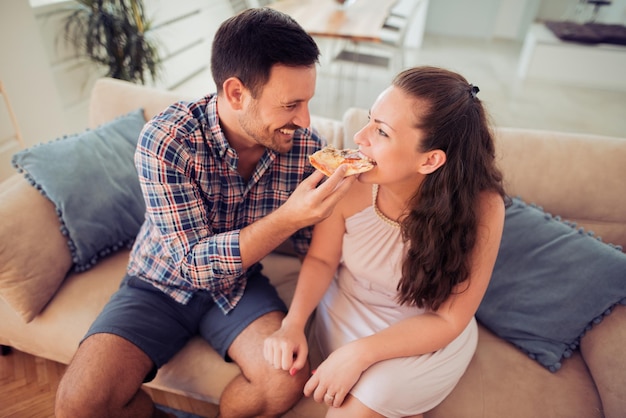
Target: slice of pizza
(329, 158)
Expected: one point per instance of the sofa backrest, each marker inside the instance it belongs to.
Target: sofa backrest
(580, 177)
(111, 98)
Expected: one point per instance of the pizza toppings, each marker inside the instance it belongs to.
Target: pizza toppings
(329, 158)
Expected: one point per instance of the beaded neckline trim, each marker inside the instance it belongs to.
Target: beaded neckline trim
(381, 215)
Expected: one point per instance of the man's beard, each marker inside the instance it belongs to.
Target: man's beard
(251, 124)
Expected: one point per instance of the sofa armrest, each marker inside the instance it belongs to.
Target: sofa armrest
(353, 120)
(34, 256)
(111, 98)
(602, 349)
(329, 129)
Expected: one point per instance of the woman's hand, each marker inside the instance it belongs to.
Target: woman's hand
(334, 378)
(286, 349)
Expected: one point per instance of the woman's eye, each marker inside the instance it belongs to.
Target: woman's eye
(381, 132)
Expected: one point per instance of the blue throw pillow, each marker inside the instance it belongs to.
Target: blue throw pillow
(550, 284)
(91, 179)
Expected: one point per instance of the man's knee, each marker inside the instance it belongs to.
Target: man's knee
(104, 375)
(72, 401)
(75, 396)
(284, 390)
(65, 406)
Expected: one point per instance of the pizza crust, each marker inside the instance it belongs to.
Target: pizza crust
(329, 158)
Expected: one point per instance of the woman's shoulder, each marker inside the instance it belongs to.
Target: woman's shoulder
(491, 208)
(490, 201)
(358, 198)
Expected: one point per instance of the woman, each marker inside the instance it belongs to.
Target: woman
(402, 264)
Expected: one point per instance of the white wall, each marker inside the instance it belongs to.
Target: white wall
(508, 19)
(49, 86)
(485, 19)
(462, 18)
(27, 78)
(26, 74)
(514, 18)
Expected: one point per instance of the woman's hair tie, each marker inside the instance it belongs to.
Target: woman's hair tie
(474, 90)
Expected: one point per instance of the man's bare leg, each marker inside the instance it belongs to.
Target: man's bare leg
(104, 380)
(261, 390)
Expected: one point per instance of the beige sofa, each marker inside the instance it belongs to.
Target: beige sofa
(580, 177)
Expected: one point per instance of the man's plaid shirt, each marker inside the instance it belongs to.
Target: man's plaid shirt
(196, 202)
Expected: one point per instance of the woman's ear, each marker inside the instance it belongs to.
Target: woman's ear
(234, 92)
(434, 159)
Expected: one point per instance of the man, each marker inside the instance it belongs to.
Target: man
(225, 179)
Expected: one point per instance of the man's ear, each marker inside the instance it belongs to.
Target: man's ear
(434, 159)
(234, 92)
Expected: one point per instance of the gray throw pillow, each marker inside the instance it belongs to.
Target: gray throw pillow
(91, 179)
(551, 283)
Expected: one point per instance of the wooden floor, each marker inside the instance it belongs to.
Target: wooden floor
(28, 385)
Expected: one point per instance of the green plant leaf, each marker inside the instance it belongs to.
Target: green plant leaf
(112, 33)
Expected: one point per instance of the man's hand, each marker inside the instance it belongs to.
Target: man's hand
(312, 202)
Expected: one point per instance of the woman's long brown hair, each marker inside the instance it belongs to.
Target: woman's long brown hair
(441, 225)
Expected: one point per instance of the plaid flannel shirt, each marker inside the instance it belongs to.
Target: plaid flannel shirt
(197, 203)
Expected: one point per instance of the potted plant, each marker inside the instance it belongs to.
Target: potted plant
(112, 33)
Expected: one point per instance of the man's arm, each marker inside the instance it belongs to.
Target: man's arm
(309, 204)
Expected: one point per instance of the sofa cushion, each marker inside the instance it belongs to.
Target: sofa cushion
(34, 257)
(550, 284)
(91, 179)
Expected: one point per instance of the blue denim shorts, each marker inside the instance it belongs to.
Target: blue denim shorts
(160, 326)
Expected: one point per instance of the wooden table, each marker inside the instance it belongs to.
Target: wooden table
(361, 20)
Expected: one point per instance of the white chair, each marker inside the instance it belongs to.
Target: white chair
(238, 5)
(400, 15)
(350, 63)
(389, 53)
(585, 11)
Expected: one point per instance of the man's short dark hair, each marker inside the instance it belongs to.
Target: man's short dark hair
(248, 44)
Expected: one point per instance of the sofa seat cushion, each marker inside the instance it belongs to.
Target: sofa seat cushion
(501, 381)
(55, 333)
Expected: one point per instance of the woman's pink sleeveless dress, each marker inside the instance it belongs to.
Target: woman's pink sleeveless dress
(361, 300)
